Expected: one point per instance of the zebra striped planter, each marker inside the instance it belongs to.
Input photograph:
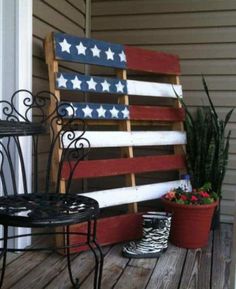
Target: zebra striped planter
(191, 224)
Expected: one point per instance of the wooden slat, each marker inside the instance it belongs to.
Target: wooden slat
(128, 152)
(81, 266)
(151, 61)
(140, 274)
(167, 272)
(133, 112)
(197, 268)
(90, 51)
(126, 195)
(123, 139)
(156, 113)
(113, 167)
(222, 257)
(145, 88)
(113, 267)
(76, 81)
(122, 228)
(15, 270)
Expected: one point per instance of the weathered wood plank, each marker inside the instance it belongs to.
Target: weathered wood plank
(114, 167)
(123, 227)
(124, 139)
(43, 273)
(197, 268)
(126, 195)
(167, 272)
(21, 267)
(80, 82)
(113, 267)
(221, 257)
(102, 111)
(136, 274)
(81, 265)
(151, 61)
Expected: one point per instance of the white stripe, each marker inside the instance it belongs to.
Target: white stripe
(123, 139)
(135, 87)
(114, 197)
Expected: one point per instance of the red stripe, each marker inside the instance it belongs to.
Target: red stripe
(121, 228)
(114, 167)
(156, 113)
(151, 61)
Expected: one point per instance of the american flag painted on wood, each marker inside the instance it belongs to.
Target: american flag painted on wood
(90, 51)
(123, 136)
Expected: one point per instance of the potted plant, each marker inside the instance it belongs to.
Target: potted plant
(207, 146)
(192, 215)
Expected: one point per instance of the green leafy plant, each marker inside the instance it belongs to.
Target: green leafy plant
(207, 144)
(201, 196)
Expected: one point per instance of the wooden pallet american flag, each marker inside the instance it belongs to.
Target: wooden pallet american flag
(64, 47)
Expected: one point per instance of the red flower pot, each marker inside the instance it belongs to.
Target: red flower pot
(190, 224)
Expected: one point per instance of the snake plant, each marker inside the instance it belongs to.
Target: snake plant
(207, 144)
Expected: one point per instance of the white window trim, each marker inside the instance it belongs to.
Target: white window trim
(16, 67)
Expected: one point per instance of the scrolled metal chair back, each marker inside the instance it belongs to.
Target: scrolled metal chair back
(67, 142)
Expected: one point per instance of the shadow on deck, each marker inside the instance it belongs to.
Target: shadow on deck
(178, 268)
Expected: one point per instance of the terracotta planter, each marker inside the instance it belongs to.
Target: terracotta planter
(190, 224)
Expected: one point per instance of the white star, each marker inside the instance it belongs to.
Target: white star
(95, 51)
(119, 87)
(125, 113)
(81, 48)
(87, 111)
(110, 54)
(91, 84)
(114, 112)
(122, 56)
(105, 86)
(70, 110)
(65, 46)
(101, 111)
(76, 83)
(61, 81)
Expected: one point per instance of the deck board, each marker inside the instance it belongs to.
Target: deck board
(197, 268)
(222, 257)
(178, 268)
(167, 272)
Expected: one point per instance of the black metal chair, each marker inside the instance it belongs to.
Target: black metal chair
(47, 207)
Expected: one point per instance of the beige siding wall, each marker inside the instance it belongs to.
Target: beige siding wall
(54, 15)
(202, 33)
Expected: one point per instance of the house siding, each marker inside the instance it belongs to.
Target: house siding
(66, 16)
(52, 15)
(202, 33)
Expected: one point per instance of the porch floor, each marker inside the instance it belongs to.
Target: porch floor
(178, 268)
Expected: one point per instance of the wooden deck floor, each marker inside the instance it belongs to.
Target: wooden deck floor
(176, 269)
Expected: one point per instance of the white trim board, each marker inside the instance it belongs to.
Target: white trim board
(126, 195)
(16, 62)
(99, 139)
